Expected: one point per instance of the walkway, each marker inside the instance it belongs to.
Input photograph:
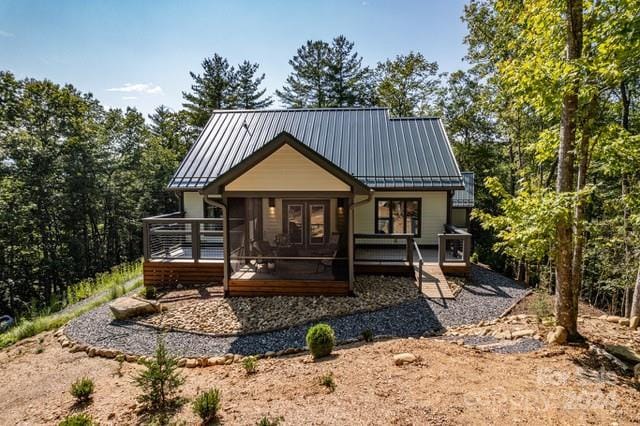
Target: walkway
(434, 283)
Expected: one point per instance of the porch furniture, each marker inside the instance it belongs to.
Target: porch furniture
(265, 253)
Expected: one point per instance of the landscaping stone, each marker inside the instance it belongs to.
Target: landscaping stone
(636, 373)
(623, 321)
(613, 318)
(557, 336)
(128, 307)
(624, 353)
(523, 333)
(634, 322)
(404, 358)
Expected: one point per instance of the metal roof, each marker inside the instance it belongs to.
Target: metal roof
(465, 197)
(381, 152)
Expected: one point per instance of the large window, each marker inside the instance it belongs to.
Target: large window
(398, 216)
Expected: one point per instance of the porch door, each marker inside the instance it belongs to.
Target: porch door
(306, 222)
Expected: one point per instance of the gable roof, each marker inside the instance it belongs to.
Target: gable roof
(379, 151)
(272, 146)
(465, 197)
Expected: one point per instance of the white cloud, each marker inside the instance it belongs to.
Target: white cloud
(6, 34)
(129, 98)
(146, 88)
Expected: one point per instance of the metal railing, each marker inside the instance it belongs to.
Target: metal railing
(420, 263)
(384, 248)
(454, 246)
(172, 236)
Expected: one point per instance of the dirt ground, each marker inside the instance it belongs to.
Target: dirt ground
(450, 385)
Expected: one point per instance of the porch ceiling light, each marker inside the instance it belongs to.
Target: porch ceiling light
(272, 203)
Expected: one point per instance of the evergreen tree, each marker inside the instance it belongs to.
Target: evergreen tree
(407, 84)
(246, 88)
(349, 82)
(308, 85)
(213, 89)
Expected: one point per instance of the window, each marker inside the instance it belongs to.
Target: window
(211, 211)
(398, 216)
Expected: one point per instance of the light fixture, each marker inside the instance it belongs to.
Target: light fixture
(340, 202)
(272, 203)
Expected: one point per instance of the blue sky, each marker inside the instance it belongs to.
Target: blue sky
(139, 53)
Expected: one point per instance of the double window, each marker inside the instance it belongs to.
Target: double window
(398, 216)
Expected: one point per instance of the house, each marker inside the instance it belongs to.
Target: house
(300, 201)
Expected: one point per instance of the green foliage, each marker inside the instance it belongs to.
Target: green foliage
(250, 364)
(320, 340)
(541, 306)
(117, 276)
(207, 405)
(149, 292)
(160, 380)
(367, 335)
(82, 389)
(80, 419)
(270, 421)
(327, 380)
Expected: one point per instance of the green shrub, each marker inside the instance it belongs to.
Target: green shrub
(77, 420)
(321, 340)
(474, 257)
(150, 293)
(82, 389)
(207, 404)
(328, 381)
(540, 305)
(367, 335)
(250, 364)
(160, 380)
(267, 421)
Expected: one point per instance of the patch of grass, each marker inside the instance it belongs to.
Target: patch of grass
(117, 276)
(82, 389)
(30, 327)
(250, 364)
(81, 419)
(367, 335)
(321, 339)
(206, 405)
(150, 293)
(269, 421)
(328, 381)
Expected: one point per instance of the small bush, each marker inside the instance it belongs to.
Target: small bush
(82, 389)
(367, 335)
(541, 306)
(207, 404)
(149, 293)
(321, 340)
(328, 381)
(77, 420)
(160, 380)
(267, 421)
(474, 257)
(250, 364)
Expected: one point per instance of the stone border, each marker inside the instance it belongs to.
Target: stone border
(193, 362)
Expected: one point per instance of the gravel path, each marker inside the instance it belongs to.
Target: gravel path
(487, 298)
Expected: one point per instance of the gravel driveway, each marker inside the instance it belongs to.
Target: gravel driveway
(487, 298)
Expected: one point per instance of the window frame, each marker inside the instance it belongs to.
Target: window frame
(377, 218)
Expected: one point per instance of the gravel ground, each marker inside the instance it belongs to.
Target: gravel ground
(501, 346)
(487, 298)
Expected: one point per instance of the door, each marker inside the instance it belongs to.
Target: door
(306, 222)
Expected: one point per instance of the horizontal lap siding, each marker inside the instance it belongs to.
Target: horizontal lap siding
(186, 273)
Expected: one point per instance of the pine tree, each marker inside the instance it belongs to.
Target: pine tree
(246, 88)
(308, 85)
(349, 82)
(211, 90)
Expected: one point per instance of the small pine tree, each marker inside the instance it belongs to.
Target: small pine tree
(160, 380)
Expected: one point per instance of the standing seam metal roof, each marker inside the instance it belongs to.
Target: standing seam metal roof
(465, 197)
(382, 152)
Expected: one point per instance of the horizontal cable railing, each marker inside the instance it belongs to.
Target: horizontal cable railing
(383, 247)
(454, 246)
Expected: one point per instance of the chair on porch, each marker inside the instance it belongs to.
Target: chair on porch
(265, 252)
(329, 250)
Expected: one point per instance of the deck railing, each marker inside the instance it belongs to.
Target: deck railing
(174, 237)
(420, 264)
(454, 246)
(384, 248)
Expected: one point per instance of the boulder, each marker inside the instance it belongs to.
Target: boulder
(623, 321)
(558, 336)
(127, 307)
(216, 360)
(636, 373)
(191, 363)
(523, 333)
(634, 322)
(404, 358)
(613, 318)
(624, 353)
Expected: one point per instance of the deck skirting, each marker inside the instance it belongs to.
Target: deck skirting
(162, 274)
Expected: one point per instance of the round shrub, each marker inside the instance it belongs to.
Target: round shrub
(321, 339)
(82, 389)
(77, 420)
(207, 404)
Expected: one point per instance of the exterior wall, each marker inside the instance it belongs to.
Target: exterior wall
(272, 218)
(287, 170)
(459, 217)
(193, 204)
(433, 215)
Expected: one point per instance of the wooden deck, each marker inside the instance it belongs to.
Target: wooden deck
(170, 273)
(434, 282)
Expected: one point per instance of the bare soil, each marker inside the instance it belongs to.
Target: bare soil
(449, 385)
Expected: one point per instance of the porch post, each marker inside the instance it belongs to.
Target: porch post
(225, 248)
(350, 244)
(145, 241)
(195, 240)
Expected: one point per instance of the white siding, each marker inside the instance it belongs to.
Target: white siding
(193, 204)
(287, 170)
(433, 217)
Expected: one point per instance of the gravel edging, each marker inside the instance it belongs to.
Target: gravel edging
(486, 299)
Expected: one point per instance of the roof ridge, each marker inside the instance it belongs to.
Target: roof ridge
(414, 118)
(299, 109)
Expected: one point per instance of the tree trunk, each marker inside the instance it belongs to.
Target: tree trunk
(635, 305)
(566, 298)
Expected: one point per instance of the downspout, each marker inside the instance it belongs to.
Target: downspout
(225, 240)
(351, 244)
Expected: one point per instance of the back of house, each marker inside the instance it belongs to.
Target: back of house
(299, 201)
